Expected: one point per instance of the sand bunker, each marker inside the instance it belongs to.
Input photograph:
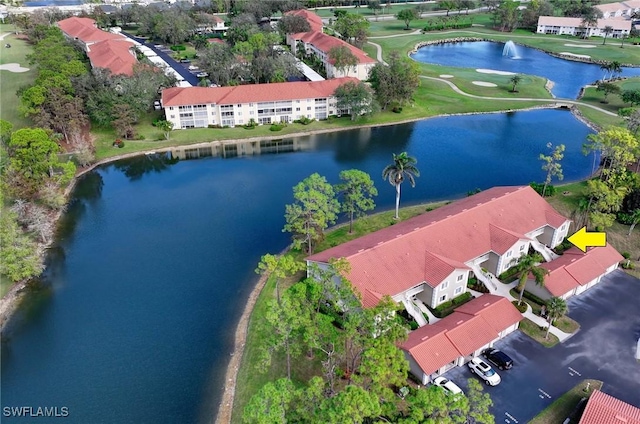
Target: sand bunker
(484, 83)
(446, 76)
(493, 71)
(582, 56)
(13, 67)
(584, 46)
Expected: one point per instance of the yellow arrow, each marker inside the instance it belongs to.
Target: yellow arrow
(582, 239)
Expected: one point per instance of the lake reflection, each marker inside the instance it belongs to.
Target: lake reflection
(156, 256)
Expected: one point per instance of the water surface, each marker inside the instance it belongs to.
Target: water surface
(155, 257)
(568, 76)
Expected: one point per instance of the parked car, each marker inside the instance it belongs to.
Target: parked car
(202, 75)
(448, 386)
(185, 61)
(498, 358)
(192, 67)
(484, 371)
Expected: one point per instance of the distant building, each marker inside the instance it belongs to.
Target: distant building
(575, 26)
(104, 49)
(317, 43)
(619, 10)
(199, 107)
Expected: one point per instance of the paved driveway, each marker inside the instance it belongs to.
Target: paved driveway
(603, 349)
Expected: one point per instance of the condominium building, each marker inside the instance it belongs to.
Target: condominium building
(576, 26)
(199, 107)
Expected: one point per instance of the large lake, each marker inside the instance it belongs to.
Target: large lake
(568, 76)
(155, 257)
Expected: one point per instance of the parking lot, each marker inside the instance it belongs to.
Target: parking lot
(603, 349)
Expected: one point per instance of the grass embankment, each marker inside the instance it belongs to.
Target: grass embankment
(250, 378)
(12, 81)
(565, 406)
(532, 330)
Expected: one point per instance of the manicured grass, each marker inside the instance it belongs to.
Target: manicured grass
(532, 330)
(566, 405)
(372, 223)
(12, 81)
(566, 324)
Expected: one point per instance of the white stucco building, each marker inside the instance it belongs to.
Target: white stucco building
(575, 26)
(199, 107)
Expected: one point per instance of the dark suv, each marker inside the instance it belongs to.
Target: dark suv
(498, 358)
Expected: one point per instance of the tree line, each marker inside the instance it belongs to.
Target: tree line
(363, 376)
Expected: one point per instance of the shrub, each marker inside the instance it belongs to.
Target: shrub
(304, 120)
(118, 143)
(140, 137)
(532, 297)
(521, 307)
(508, 275)
(538, 187)
(277, 127)
(178, 48)
(448, 307)
(565, 245)
(251, 124)
(624, 218)
(397, 109)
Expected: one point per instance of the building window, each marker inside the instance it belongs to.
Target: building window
(443, 298)
(173, 116)
(509, 254)
(444, 285)
(459, 290)
(239, 113)
(308, 107)
(297, 109)
(250, 112)
(522, 248)
(460, 277)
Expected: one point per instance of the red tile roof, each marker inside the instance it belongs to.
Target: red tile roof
(437, 268)
(85, 30)
(497, 311)
(315, 21)
(324, 43)
(113, 55)
(576, 268)
(216, 40)
(468, 333)
(252, 93)
(605, 409)
(472, 326)
(104, 49)
(393, 259)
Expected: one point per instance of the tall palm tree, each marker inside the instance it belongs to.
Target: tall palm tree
(606, 67)
(403, 167)
(556, 307)
(529, 265)
(616, 68)
(607, 30)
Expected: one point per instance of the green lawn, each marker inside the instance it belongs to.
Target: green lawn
(10, 82)
(565, 405)
(532, 330)
(567, 325)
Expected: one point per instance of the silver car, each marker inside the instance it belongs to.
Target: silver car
(448, 386)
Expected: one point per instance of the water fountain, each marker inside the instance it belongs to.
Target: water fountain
(510, 50)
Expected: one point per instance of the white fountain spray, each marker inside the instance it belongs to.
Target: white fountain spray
(510, 50)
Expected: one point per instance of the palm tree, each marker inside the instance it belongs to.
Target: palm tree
(556, 307)
(616, 68)
(515, 80)
(635, 218)
(606, 67)
(403, 166)
(607, 30)
(529, 265)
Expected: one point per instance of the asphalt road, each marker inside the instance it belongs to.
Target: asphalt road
(603, 349)
(177, 66)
